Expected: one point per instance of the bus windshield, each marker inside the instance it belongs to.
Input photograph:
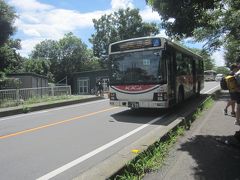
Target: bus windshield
(144, 67)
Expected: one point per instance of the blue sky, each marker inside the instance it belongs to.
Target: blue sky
(51, 19)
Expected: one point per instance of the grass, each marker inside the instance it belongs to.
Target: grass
(50, 99)
(153, 158)
(36, 100)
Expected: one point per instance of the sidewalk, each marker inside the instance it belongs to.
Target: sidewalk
(208, 151)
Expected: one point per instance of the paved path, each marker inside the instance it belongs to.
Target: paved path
(208, 151)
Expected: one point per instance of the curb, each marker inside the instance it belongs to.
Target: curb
(20, 110)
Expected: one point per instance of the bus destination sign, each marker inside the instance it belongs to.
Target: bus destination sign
(136, 44)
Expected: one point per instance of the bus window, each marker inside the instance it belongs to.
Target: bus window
(187, 65)
(178, 62)
(135, 67)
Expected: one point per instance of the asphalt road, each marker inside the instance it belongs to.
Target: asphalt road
(61, 143)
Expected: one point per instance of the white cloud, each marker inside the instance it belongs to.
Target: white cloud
(121, 4)
(39, 21)
(218, 57)
(30, 5)
(149, 15)
(54, 23)
(162, 34)
(32, 32)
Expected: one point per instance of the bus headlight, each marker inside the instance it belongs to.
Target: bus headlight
(113, 96)
(160, 96)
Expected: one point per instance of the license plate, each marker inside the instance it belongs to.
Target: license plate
(133, 104)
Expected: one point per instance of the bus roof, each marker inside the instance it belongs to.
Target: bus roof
(169, 42)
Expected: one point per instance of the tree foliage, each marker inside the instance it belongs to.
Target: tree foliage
(232, 51)
(120, 25)
(10, 59)
(208, 61)
(212, 21)
(92, 62)
(38, 66)
(7, 18)
(66, 56)
(8, 83)
(222, 70)
(47, 49)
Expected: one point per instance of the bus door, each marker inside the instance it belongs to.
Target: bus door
(194, 73)
(171, 71)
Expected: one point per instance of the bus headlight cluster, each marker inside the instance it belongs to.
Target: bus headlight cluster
(113, 96)
(160, 96)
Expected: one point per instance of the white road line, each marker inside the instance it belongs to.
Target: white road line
(96, 151)
(52, 109)
(211, 89)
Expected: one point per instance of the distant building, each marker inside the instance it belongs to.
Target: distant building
(85, 82)
(30, 80)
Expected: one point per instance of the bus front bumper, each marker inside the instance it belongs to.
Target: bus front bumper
(145, 104)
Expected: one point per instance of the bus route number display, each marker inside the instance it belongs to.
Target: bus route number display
(136, 44)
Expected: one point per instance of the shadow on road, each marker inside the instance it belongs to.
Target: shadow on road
(143, 116)
(140, 116)
(217, 157)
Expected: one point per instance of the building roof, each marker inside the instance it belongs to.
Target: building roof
(27, 74)
(101, 70)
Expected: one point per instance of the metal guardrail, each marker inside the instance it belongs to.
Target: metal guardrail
(18, 95)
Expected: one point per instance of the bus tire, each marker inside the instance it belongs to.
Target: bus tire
(180, 95)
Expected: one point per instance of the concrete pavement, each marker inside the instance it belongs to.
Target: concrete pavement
(207, 151)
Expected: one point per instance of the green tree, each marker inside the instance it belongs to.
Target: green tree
(222, 70)
(72, 54)
(180, 18)
(10, 59)
(66, 56)
(7, 18)
(120, 25)
(212, 21)
(48, 50)
(232, 51)
(38, 66)
(208, 61)
(92, 62)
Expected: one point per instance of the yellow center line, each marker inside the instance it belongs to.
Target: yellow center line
(54, 124)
